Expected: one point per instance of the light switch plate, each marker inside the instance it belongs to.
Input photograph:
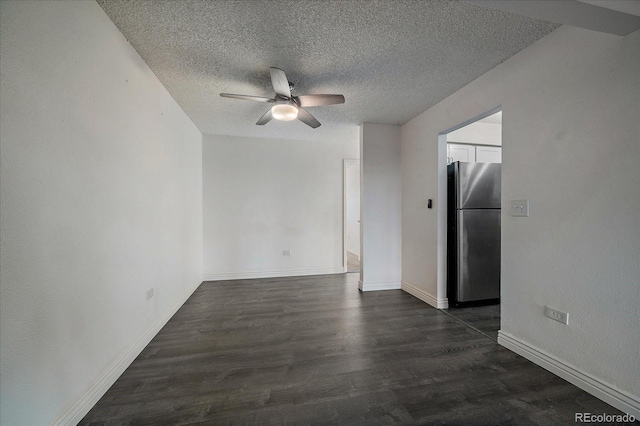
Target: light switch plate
(520, 208)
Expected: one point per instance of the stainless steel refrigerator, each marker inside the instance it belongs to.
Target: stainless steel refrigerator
(473, 237)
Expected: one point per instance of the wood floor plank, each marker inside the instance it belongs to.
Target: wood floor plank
(315, 350)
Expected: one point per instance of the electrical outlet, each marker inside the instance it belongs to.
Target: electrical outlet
(286, 253)
(556, 315)
(150, 293)
(520, 208)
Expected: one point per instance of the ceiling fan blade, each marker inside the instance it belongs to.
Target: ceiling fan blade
(265, 118)
(280, 82)
(319, 100)
(247, 97)
(308, 119)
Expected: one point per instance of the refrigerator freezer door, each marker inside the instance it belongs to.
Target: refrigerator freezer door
(478, 255)
(478, 185)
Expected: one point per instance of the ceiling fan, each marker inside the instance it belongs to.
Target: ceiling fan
(287, 107)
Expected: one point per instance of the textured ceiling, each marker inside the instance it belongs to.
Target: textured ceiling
(391, 59)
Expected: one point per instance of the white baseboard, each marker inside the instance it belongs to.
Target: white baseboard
(378, 286)
(621, 400)
(425, 297)
(271, 274)
(101, 385)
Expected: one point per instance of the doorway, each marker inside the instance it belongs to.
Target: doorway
(474, 155)
(351, 216)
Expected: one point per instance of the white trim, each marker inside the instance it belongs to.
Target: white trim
(345, 165)
(271, 274)
(621, 400)
(86, 401)
(441, 218)
(378, 286)
(425, 297)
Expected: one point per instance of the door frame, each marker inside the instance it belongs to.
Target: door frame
(348, 162)
(442, 300)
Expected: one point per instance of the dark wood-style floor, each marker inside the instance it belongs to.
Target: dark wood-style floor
(315, 350)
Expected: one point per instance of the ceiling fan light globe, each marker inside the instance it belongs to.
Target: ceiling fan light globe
(284, 112)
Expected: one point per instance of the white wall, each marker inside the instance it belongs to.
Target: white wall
(265, 196)
(571, 144)
(353, 208)
(100, 201)
(477, 133)
(381, 226)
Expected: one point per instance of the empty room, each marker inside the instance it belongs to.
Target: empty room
(273, 212)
